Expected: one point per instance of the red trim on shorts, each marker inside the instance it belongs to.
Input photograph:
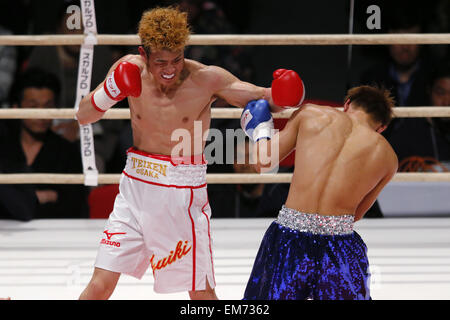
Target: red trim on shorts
(164, 185)
(173, 160)
(193, 240)
(209, 236)
(95, 105)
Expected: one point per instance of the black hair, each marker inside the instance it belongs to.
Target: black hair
(442, 70)
(404, 14)
(375, 101)
(34, 78)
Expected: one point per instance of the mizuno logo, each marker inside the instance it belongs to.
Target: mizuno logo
(109, 235)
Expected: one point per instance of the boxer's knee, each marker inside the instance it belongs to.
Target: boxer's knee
(207, 294)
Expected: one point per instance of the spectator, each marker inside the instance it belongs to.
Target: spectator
(439, 128)
(248, 200)
(8, 65)
(406, 74)
(63, 62)
(406, 70)
(119, 157)
(426, 147)
(30, 147)
(440, 86)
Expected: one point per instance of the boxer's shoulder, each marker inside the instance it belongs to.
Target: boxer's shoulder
(314, 112)
(193, 65)
(317, 118)
(386, 147)
(204, 75)
(311, 109)
(134, 58)
(380, 149)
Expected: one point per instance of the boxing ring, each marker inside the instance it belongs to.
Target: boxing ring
(53, 259)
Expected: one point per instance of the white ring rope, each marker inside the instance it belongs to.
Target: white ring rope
(218, 113)
(211, 178)
(322, 39)
(237, 39)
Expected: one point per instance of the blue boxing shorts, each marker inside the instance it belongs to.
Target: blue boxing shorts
(310, 256)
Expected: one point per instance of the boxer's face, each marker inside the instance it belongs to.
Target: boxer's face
(166, 66)
(37, 98)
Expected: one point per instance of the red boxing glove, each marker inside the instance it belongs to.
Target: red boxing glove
(287, 88)
(124, 81)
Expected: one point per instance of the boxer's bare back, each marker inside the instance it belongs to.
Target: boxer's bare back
(341, 162)
(176, 92)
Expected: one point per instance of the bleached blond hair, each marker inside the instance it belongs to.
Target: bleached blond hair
(164, 29)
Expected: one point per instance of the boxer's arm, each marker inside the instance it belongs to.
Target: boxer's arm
(87, 113)
(371, 197)
(269, 153)
(236, 92)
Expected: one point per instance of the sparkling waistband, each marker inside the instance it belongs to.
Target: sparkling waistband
(315, 223)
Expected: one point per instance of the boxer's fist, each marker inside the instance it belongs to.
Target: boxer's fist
(287, 88)
(124, 81)
(256, 120)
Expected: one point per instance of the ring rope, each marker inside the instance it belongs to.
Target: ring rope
(218, 113)
(237, 39)
(335, 39)
(211, 178)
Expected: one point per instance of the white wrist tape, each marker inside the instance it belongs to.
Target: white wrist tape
(101, 101)
(263, 130)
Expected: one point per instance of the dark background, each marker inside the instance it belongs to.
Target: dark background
(324, 69)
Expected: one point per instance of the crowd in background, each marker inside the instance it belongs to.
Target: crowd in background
(46, 76)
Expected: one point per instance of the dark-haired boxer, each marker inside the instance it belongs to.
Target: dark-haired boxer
(341, 165)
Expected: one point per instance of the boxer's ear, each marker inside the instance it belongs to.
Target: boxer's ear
(346, 105)
(143, 53)
(381, 129)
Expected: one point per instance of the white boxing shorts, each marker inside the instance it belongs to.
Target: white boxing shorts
(161, 218)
